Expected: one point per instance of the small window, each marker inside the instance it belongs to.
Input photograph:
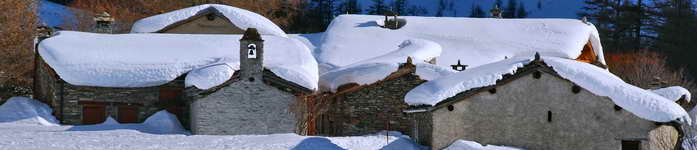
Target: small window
(537, 75)
(631, 145)
(451, 107)
(549, 116)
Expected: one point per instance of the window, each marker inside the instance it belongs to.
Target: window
(631, 145)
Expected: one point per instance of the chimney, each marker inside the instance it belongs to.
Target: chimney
(459, 66)
(251, 56)
(103, 23)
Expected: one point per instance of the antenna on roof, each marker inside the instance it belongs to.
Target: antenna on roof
(459, 66)
(585, 20)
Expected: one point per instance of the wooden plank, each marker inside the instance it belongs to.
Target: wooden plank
(128, 114)
(93, 113)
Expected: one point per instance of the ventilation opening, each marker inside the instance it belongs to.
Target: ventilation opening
(210, 17)
(451, 107)
(492, 90)
(631, 145)
(617, 108)
(251, 79)
(537, 75)
(576, 89)
(549, 116)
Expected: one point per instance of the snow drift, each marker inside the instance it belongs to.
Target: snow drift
(674, 93)
(239, 17)
(471, 145)
(143, 60)
(475, 41)
(378, 68)
(27, 111)
(640, 102)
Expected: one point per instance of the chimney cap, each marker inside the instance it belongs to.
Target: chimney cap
(104, 16)
(251, 34)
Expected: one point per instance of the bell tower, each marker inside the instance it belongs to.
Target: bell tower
(251, 56)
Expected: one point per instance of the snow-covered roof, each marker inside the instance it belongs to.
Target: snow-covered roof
(142, 60)
(598, 81)
(378, 68)
(475, 41)
(241, 18)
(674, 93)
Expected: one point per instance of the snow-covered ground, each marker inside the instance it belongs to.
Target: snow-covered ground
(27, 124)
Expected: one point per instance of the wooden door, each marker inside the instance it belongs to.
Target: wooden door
(128, 114)
(169, 99)
(93, 113)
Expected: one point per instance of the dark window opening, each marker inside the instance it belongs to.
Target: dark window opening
(617, 108)
(576, 89)
(549, 116)
(492, 90)
(251, 79)
(210, 17)
(631, 145)
(451, 107)
(537, 75)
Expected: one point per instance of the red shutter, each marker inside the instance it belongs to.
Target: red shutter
(128, 114)
(93, 113)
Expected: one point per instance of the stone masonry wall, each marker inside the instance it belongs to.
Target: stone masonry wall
(46, 89)
(242, 107)
(371, 109)
(543, 114)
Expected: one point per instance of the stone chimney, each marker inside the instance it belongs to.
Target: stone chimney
(104, 23)
(251, 56)
(391, 24)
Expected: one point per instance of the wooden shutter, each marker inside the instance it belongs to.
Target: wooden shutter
(93, 113)
(128, 114)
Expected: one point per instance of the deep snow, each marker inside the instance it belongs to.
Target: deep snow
(160, 131)
(378, 68)
(471, 145)
(351, 39)
(142, 60)
(239, 17)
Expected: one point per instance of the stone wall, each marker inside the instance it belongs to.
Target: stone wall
(202, 25)
(146, 97)
(242, 107)
(370, 109)
(540, 114)
(65, 98)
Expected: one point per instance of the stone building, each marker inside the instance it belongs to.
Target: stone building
(87, 77)
(365, 109)
(537, 108)
(206, 19)
(253, 101)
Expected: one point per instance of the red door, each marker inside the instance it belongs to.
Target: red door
(128, 114)
(93, 113)
(169, 97)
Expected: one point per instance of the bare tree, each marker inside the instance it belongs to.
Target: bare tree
(18, 23)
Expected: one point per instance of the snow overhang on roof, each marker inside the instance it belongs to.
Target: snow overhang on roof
(643, 103)
(350, 39)
(143, 60)
(241, 18)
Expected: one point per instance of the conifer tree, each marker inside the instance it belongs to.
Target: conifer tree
(477, 12)
(350, 7)
(378, 7)
(522, 13)
(510, 10)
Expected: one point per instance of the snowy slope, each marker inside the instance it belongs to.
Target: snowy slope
(239, 17)
(142, 60)
(640, 102)
(462, 8)
(355, 38)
